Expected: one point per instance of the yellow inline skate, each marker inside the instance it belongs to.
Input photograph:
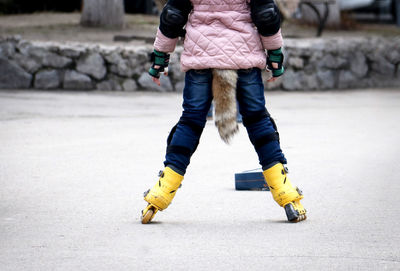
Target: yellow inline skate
(162, 193)
(284, 193)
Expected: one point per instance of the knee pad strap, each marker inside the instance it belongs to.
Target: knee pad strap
(264, 140)
(255, 117)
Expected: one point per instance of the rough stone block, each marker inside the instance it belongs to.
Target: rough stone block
(383, 67)
(119, 65)
(77, 81)
(47, 80)
(296, 62)
(104, 85)
(310, 82)
(332, 62)
(13, 76)
(393, 56)
(93, 65)
(326, 79)
(112, 84)
(23, 47)
(359, 65)
(139, 61)
(73, 52)
(347, 80)
(122, 68)
(293, 80)
(129, 85)
(29, 64)
(7, 49)
(113, 58)
(382, 80)
(141, 56)
(55, 61)
(46, 58)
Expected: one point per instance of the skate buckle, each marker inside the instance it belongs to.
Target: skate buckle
(286, 169)
(299, 191)
(161, 174)
(146, 192)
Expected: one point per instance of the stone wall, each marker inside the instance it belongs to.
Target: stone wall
(310, 65)
(342, 63)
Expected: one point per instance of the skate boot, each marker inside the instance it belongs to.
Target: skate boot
(284, 193)
(162, 193)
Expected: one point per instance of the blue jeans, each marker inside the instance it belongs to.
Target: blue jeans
(197, 98)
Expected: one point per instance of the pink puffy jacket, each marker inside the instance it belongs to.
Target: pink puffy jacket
(220, 34)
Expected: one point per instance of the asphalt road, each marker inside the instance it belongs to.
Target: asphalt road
(74, 165)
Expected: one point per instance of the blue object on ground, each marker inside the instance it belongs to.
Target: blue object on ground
(250, 180)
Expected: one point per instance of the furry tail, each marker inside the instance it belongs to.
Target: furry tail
(224, 92)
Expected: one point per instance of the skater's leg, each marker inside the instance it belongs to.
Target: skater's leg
(260, 126)
(265, 138)
(182, 141)
(185, 136)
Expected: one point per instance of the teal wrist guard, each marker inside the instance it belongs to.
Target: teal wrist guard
(160, 63)
(275, 56)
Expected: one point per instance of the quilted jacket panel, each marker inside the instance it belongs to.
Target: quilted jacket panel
(220, 34)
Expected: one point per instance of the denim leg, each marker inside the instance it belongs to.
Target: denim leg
(185, 136)
(260, 128)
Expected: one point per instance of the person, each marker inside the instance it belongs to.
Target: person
(226, 46)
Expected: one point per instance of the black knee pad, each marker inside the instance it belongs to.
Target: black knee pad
(255, 117)
(174, 17)
(171, 134)
(266, 16)
(197, 129)
(264, 140)
(176, 148)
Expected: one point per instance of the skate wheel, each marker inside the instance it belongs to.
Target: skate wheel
(300, 218)
(294, 215)
(148, 215)
(291, 213)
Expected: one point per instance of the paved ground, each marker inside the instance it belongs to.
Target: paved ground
(73, 167)
(65, 27)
